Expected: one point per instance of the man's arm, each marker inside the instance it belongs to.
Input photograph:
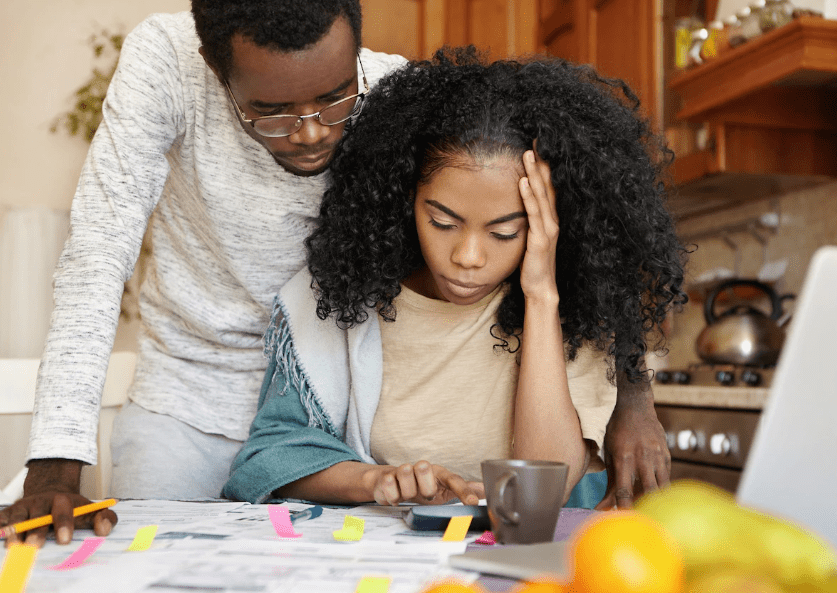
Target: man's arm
(51, 488)
(122, 179)
(636, 452)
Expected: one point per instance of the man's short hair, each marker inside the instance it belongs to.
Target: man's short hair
(281, 25)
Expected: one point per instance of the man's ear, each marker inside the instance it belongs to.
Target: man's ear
(208, 63)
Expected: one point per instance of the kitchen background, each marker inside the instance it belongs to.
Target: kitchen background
(741, 212)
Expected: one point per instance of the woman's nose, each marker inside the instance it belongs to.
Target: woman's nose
(469, 252)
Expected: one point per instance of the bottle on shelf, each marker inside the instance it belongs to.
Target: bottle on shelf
(734, 27)
(751, 24)
(716, 41)
(683, 42)
(775, 14)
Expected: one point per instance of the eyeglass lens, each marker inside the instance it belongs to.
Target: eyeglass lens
(288, 124)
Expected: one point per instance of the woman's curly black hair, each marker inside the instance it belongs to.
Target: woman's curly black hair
(281, 25)
(619, 262)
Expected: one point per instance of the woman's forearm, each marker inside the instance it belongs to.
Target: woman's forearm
(546, 425)
(347, 482)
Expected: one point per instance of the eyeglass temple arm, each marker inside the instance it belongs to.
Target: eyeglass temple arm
(365, 84)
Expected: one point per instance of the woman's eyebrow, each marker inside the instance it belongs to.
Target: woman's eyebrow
(506, 218)
(502, 219)
(445, 209)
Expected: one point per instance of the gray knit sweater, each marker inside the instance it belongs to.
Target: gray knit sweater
(227, 227)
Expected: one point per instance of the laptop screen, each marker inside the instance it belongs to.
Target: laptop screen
(791, 470)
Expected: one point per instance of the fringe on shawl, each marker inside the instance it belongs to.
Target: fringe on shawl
(278, 344)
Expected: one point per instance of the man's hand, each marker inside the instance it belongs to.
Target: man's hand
(636, 452)
(52, 488)
(423, 483)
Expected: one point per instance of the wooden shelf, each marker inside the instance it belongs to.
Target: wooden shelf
(770, 108)
(802, 53)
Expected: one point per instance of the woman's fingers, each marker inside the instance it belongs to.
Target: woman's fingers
(427, 485)
(424, 483)
(407, 485)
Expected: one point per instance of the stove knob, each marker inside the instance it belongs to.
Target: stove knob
(720, 444)
(751, 378)
(663, 377)
(687, 440)
(725, 377)
(682, 377)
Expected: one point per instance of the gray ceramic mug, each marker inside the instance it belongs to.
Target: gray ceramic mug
(524, 498)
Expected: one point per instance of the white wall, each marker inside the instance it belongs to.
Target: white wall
(45, 57)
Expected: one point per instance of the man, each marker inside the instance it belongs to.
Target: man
(191, 134)
(233, 196)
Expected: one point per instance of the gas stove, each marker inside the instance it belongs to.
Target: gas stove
(724, 375)
(708, 442)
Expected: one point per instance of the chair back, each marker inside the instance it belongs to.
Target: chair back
(18, 377)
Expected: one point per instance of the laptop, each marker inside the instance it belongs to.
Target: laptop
(791, 469)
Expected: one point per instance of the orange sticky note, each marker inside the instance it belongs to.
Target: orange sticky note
(457, 528)
(352, 529)
(143, 539)
(373, 585)
(17, 567)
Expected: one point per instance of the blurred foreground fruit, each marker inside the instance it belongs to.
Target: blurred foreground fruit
(453, 586)
(716, 533)
(732, 581)
(542, 586)
(624, 552)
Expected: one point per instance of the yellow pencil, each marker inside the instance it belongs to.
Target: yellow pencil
(47, 519)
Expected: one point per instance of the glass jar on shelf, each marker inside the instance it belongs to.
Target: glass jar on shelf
(751, 24)
(699, 37)
(775, 14)
(733, 25)
(683, 29)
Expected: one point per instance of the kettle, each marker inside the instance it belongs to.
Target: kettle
(742, 334)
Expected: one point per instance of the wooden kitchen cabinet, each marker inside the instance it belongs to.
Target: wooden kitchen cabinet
(620, 38)
(417, 28)
(769, 105)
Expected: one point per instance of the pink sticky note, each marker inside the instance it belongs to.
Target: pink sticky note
(486, 538)
(77, 558)
(281, 519)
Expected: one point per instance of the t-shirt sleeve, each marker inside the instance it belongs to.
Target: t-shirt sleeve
(593, 396)
(119, 186)
(282, 447)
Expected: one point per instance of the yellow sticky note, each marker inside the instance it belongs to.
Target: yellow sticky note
(373, 585)
(457, 528)
(143, 539)
(16, 568)
(352, 530)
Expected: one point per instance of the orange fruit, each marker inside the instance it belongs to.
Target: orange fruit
(452, 586)
(625, 552)
(542, 587)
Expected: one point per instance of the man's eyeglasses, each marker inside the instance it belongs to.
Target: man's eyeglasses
(277, 126)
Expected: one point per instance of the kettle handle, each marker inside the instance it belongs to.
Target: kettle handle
(709, 305)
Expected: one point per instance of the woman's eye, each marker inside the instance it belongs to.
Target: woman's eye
(440, 225)
(503, 237)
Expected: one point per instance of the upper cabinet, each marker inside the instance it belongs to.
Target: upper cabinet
(769, 106)
(417, 28)
(620, 38)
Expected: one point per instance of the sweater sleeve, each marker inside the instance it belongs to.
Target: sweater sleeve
(120, 184)
(282, 447)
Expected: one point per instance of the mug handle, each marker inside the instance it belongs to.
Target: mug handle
(500, 497)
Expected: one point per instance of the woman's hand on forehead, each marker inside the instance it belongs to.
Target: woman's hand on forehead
(537, 272)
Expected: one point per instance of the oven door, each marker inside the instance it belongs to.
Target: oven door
(719, 476)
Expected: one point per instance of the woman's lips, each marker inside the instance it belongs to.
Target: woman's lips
(462, 290)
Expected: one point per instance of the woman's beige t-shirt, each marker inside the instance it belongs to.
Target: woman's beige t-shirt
(448, 394)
